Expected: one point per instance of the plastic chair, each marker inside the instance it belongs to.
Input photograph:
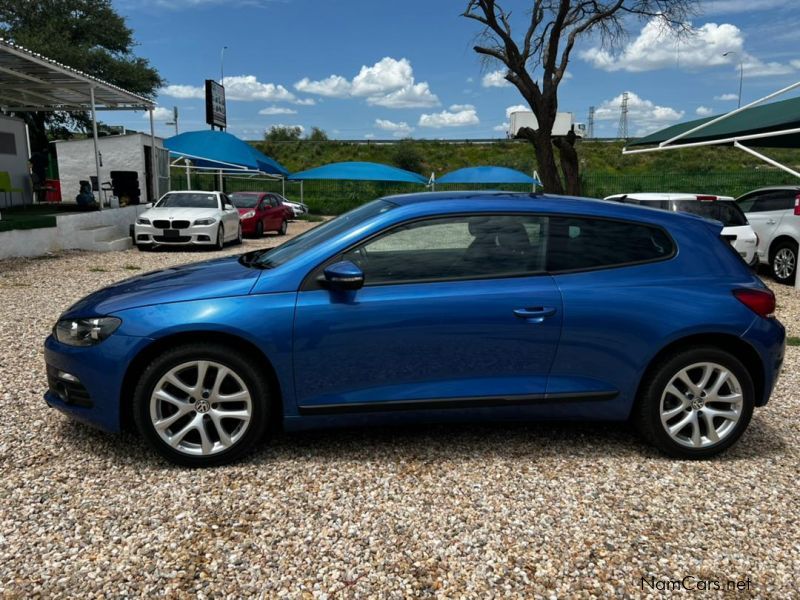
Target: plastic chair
(6, 188)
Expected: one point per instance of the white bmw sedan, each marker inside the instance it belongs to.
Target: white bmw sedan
(191, 217)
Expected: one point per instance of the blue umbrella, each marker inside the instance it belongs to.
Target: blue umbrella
(221, 150)
(359, 171)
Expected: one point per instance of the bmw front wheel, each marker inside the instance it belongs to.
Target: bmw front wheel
(220, 238)
(201, 405)
(696, 403)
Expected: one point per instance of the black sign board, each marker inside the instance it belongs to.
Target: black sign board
(215, 104)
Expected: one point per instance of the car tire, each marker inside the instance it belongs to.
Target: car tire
(220, 238)
(193, 415)
(284, 227)
(259, 230)
(239, 236)
(695, 421)
(783, 262)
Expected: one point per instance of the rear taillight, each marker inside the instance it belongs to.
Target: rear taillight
(706, 198)
(797, 205)
(761, 302)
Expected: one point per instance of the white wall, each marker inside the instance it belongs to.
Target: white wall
(16, 164)
(119, 152)
(71, 231)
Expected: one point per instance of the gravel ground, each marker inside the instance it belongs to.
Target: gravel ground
(457, 511)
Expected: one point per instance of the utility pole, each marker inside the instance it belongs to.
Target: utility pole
(590, 124)
(741, 75)
(622, 131)
(174, 119)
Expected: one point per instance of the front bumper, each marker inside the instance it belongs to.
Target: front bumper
(195, 234)
(249, 226)
(99, 370)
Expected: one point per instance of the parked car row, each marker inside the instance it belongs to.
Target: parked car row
(213, 218)
(763, 226)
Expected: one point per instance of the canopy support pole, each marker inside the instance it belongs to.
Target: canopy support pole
(283, 187)
(301, 192)
(219, 180)
(188, 175)
(766, 159)
(96, 149)
(153, 172)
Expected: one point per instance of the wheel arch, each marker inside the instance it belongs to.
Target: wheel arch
(149, 352)
(722, 341)
(783, 237)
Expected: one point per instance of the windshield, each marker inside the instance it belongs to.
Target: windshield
(197, 200)
(282, 254)
(728, 213)
(244, 200)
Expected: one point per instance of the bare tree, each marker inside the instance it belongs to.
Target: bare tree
(552, 29)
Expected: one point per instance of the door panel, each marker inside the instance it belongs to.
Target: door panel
(444, 340)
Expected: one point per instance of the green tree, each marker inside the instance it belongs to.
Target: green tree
(317, 135)
(406, 156)
(283, 133)
(87, 35)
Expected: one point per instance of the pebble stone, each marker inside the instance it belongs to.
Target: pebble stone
(456, 511)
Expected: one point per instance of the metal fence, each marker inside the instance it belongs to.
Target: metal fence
(330, 197)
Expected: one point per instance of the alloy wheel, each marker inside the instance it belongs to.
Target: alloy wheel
(201, 408)
(784, 263)
(701, 405)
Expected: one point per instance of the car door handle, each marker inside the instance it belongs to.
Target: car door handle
(771, 221)
(535, 314)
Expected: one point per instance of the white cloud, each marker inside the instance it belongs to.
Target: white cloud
(449, 119)
(415, 96)
(389, 83)
(502, 127)
(238, 87)
(495, 79)
(305, 102)
(658, 47)
(369, 136)
(160, 113)
(460, 107)
(277, 110)
(644, 116)
(398, 129)
(727, 97)
(334, 86)
(516, 108)
(182, 91)
(703, 111)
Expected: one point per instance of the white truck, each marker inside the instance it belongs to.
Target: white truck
(563, 123)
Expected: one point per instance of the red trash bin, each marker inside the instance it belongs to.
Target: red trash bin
(52, 190)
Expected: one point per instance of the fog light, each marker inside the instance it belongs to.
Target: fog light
(67, 376)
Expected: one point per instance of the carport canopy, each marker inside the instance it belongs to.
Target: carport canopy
(359, 171)
(774, 125)
(488, 174)
(30, 82)
(221, 151)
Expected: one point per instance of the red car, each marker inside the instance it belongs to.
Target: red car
(260, 212)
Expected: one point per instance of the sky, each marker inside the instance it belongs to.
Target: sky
(379, 69)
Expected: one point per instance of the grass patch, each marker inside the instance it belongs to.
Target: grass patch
(132, 268)
(310, 218)
(793, 341)
(97, 270)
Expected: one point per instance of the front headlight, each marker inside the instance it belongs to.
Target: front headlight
(206, 221)
(85, 332)
(249, 214)
(142, 221)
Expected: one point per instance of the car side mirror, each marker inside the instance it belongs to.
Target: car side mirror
(343, 275)
(148, 205)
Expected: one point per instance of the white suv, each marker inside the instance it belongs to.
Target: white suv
(724, 209)
(774, 213)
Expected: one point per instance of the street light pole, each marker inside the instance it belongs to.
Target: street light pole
(741, 75)
(222, 65)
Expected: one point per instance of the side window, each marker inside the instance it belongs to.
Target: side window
(777, 200)
(462, 247)
(577, 243)
(746, 202)
(271, 201)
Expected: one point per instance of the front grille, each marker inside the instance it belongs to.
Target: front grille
(70, 392)
(180, 224)
(161, 224)
(177, 239)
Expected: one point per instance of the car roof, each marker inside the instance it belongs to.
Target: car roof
(191, 192)
(546, 203)
(770, 188)
(672, 196)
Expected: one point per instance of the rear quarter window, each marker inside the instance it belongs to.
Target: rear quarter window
(583, 243)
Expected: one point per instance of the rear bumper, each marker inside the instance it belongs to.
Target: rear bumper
(768, 337)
